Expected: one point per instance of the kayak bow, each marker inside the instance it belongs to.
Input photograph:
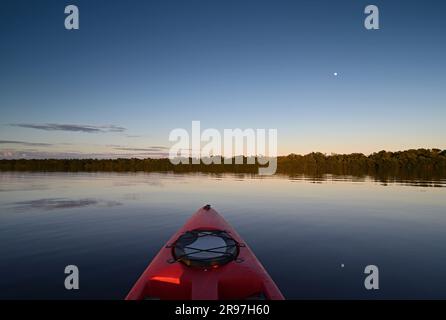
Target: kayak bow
(205, 260)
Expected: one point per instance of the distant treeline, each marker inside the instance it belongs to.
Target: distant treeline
(422, 163)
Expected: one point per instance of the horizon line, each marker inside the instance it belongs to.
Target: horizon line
(118, 156)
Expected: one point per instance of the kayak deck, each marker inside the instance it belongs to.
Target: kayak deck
(169, 277)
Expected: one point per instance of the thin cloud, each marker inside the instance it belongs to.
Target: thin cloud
(25, 143)
(32, 154)
(71, 127)
(159, 147)
(113, 128)
(149, 149)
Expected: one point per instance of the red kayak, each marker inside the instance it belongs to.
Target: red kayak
(205, 260)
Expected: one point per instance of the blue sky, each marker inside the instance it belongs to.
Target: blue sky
(138, 69)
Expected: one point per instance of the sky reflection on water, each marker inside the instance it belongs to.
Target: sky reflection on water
(302, 229)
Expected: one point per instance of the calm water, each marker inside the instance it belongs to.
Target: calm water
(302, 230)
